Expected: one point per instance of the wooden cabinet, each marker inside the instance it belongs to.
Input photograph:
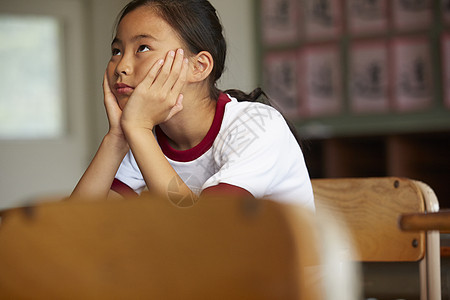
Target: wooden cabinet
(421, 156)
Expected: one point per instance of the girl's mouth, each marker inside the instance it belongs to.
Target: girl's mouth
(123, 89)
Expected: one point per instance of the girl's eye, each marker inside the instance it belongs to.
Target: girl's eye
(143, 48)
(115, 52)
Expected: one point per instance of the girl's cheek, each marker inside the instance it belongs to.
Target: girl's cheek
(146, 66)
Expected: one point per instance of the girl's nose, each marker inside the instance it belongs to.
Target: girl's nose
(124, 67)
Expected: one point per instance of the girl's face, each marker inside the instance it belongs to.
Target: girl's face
(142, 39)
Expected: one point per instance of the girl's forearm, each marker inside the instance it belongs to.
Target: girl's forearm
(98, 177)
(157, 171)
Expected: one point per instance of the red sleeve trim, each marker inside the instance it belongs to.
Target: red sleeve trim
(226, 189)
(123, 189)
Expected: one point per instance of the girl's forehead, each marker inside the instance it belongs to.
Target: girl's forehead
(144, 20)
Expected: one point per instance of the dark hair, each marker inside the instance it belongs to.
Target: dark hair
(199, 27)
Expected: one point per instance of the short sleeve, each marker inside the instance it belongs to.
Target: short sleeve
(258, 153)
(129, 173)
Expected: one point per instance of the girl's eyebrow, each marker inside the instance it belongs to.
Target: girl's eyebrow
(134, 38)
(142, 36)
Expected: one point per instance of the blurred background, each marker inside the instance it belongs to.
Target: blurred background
(365, 82)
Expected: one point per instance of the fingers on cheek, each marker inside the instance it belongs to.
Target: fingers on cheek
(105, 83)
(152, 74)
(158, 67)
(181, 76)
(165, 71)
(180, 56)
(170, 57)
(185, 67)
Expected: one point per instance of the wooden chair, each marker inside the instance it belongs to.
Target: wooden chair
(370, 209)
(146, 248)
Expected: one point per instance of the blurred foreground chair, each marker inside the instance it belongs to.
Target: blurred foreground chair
(221, 248)
(370, 209)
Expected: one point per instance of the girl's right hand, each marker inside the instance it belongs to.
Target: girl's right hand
(113, 112)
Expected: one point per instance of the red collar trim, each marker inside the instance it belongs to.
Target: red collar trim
(204, 145)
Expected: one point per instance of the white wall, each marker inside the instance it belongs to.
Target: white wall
(31, 168)
(238, 20)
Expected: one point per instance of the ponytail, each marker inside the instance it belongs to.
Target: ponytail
(258, 95)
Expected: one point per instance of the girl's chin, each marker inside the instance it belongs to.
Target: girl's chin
(122, 102)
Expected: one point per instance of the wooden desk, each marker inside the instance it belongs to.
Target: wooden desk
(426, 221)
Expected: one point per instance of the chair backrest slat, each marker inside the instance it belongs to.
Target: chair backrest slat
(370, 209)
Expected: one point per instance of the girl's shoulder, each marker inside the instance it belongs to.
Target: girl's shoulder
(254, 125)
(248, 110)
(252, 115)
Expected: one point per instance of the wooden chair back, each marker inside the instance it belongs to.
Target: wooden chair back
(370, 209)
(147, 248)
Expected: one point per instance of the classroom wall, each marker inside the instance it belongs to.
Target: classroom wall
(238, 20)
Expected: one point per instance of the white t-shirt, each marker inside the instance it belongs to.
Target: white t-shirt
(249, 145)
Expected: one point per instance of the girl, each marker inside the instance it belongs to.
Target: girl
(172, 131)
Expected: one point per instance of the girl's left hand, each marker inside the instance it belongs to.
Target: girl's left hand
(158, 97)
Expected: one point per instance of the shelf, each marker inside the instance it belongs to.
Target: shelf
(419, 156)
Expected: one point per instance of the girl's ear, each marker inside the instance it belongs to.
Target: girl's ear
(203, 64)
